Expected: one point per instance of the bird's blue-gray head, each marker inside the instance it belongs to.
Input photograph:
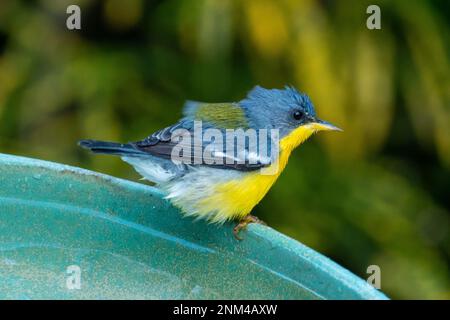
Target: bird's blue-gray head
(284, 109)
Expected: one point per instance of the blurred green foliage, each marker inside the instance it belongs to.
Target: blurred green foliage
(377, 194)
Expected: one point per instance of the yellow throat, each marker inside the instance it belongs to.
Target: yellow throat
(236, 198)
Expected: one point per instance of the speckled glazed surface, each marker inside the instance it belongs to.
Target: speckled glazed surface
(130, 243)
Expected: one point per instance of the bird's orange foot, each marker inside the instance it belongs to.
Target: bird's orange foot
(243, 224)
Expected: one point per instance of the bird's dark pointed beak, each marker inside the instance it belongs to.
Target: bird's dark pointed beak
(321, 125)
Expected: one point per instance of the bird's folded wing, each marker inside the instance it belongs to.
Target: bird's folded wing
(180, 143)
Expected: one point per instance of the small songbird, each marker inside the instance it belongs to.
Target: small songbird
(229, 189)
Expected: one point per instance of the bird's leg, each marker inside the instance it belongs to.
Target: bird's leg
(243, 224)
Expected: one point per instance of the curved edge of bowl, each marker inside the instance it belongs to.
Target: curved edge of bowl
(262, 245)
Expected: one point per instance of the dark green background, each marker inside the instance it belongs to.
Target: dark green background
(379, 193)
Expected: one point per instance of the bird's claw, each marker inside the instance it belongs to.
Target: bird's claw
(243, 225)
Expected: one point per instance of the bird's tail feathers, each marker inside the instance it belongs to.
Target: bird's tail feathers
(113, 148)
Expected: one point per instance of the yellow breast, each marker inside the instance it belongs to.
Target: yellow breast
(236, 198)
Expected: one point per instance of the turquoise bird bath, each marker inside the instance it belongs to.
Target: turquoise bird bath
(69, 233)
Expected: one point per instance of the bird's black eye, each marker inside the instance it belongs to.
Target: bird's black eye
(298, 115)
